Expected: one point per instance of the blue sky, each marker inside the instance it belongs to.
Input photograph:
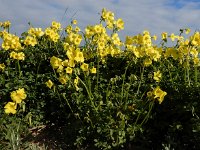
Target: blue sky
(154, 15)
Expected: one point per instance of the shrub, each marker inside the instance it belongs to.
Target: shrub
(111, 93)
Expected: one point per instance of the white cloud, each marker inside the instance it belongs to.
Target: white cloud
(154, 15)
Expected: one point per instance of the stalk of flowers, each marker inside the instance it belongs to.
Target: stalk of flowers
(17, 96)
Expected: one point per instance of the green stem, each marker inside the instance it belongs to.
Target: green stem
(88, 83)
(37, 72)
(56, 46)
(86, 89)
(188, 75)
(68, 103)
(188, 66)
(140, 113)
(89, 94)
(141, 78)
(124, 77)
(147, 116)
(195, 75)
(19, 69)
(170, 75)
(108, 92)
(55, 73)
(58, 95)
(97, 73)
(185, 75)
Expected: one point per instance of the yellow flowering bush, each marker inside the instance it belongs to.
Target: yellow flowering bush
(111, 93)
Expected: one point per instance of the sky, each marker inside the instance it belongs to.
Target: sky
(157, 16)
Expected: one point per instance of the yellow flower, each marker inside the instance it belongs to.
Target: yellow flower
(107, 15)
(110, 24)
(70, 53)
(49, 84)
(187, 31)
(30, 41)
(195, 38)
(71, 63)
(56, 25)
(69, 70)
(63, 79)
(84, 67)
(79, 56)
(104, 14)
(120, 24)
(77, 40)
(93, 70)
(2, 67)
(147, 62)
(101, 45)
(18, 95)
(36, 32)
(10, 107)
(13, 55)
(76, 83)
(196, 61)
(98, 29)
(65, 62)
(77, 29)
(6, 24)
(129, 40)
(155, 37)
(157, 76)
(164, 35)
(149, 94)
(20, 56)
(194, 52)
(60, 69)
(110, 16)
(159, 94)
(172, 36)
(74, 21)
(68, 29)
(116, 39)
(55, 62)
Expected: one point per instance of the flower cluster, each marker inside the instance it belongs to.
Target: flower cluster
(111, 23)
(30, 41)
(65, 67)
(10, 41)
(18, 56)
(5, 24)
(53, 32)
(17, 96)
(36, 32)
(142, 47)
